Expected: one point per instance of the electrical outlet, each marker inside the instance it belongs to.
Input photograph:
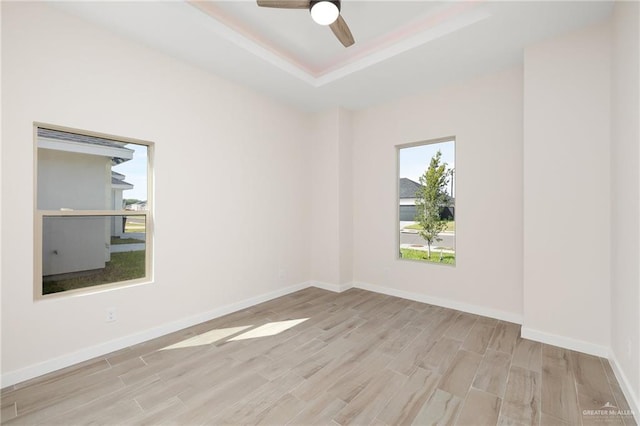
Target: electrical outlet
(111, 315)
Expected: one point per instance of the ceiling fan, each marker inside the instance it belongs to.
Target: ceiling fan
(323, 12)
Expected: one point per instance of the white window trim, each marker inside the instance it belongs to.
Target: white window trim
(40, 214)
(397, 196)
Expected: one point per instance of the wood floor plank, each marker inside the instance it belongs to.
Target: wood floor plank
(355, 357)
(591, 381)
(460, 374)
(549, 420)
(319, 412)
(411, 356)
(285, 408)
(39, 407)
(441, 409)
(461, 326)
(504, 337)
(522, 402)
(364, 408)
(493, 372)
(349, 385)
(405, 405)
(439, 356)
(559, 397)
(162, 414)
(248, 408)
(478, 338)
(116, 407)
(528, 354)
(348, 324)
(317, 384)
(395, 345)
(594, 390)
(165, 391)
(199, 400)
(120, 412)
(60, 376)
(8, 411)
(202, 393)
(507, 421)
(479, 409)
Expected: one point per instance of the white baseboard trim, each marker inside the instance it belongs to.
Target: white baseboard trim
(445, 303)
(12, 377)
(336, 288)
(565, 342)
(632, 399)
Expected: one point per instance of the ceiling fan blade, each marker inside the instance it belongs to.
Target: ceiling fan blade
(341, 30)
(285, 4)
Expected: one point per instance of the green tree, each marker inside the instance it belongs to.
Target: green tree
(430, 198)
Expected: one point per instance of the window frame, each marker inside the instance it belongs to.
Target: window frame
(39, 216)
(399, 147)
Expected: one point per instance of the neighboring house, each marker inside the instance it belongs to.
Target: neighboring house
(118, 185)
(74, 172)
(407, 194)
(141, 205)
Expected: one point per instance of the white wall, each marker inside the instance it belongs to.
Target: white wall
(345, 196)
(485, 116)
(625, 193)
(330, 192)
(241, 158)
(566, 190)
(323, 193)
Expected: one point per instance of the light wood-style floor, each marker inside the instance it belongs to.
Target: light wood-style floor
(316, 357)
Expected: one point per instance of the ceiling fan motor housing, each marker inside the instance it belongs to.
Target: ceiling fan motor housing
(313, 2)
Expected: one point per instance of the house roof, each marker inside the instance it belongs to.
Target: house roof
(60, 135)
(408, 188)
(116, 181)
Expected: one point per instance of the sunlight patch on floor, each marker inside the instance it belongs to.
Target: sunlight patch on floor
(208, 338)
(269, 329)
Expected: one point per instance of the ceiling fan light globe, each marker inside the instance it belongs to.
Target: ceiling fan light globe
(324, 12)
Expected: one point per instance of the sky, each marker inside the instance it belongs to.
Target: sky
(415, 160)
(135, 172)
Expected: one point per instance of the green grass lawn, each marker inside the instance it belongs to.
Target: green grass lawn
(122, 267)
(451, 226)
(135, 227)
(118, 240)
(447, 258)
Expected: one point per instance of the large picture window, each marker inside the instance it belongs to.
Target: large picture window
(93, 221)
(426, 201)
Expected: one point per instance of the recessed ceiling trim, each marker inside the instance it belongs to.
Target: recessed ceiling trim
(233, 31)
(404, 45)
(445, 20)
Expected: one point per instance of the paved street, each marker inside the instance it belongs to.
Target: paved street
(448, 239)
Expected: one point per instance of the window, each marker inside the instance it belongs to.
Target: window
(93, 221)
(426, 201)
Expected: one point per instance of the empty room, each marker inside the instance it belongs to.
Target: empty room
(320, 212)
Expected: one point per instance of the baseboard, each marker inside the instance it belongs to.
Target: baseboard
(445, 303)
(565, 342)
(26, 373)
(336, 288)
(632, 399)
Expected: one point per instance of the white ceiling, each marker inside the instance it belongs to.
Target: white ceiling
(402, 47)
